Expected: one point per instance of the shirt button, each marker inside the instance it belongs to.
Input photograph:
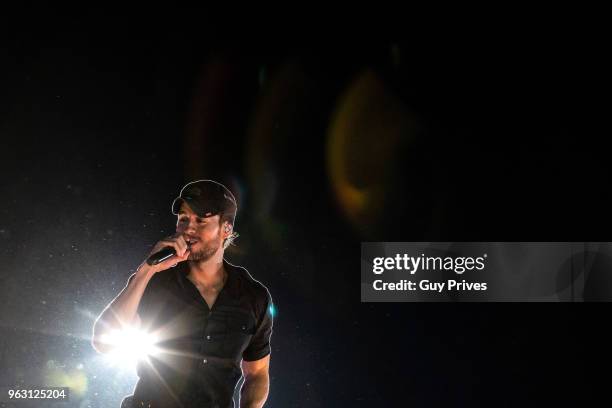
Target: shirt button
(208, 337)
(204, 361)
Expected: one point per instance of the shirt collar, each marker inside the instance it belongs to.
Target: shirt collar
(232, 284)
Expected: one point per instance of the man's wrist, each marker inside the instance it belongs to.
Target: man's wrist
(145, 270)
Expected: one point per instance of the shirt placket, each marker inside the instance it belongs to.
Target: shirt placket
(210, 338)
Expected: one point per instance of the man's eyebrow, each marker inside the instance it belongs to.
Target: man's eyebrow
(197, 216)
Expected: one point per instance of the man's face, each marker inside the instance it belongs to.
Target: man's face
(205, 234)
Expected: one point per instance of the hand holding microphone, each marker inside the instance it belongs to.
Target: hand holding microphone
(169, 252)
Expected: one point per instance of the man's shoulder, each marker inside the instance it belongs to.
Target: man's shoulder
(165, 275)
(162, 280)
(161, 276)
(249, 283)
(155, 278)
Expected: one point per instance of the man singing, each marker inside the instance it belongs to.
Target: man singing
(211, 318)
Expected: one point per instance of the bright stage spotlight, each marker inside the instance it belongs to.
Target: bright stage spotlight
(129, 346)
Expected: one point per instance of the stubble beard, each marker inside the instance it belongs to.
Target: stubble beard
(204, 254)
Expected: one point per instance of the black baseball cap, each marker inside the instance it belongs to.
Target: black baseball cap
(206, 198)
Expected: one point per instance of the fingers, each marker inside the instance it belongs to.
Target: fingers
(182, 245)
(178, 243)
(172, 261)
(182, 250)
(176, 259)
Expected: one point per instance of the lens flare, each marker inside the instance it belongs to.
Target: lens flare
(57, 376)
(272, 310)
(130, 346)
(367, 135)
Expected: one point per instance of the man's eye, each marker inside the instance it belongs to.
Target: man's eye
(198, 220)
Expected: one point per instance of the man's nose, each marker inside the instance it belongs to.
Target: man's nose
(186, 227)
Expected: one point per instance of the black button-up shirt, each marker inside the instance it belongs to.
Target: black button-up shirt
(199, 349)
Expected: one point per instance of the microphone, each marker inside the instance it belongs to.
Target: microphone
(161, 255)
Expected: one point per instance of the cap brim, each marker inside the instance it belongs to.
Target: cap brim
(176, 207)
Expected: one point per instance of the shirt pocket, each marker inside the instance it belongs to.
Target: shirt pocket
(240, 327)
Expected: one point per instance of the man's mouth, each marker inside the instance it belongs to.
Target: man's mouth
(191, 241)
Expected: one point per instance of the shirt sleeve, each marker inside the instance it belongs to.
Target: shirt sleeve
(259, 347)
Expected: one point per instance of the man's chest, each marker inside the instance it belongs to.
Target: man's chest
(209, 295)
(190, 324)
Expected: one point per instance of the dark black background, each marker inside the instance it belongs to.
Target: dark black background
(98, 118)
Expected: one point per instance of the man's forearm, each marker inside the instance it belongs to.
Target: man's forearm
(255, 391)
(122, 309)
